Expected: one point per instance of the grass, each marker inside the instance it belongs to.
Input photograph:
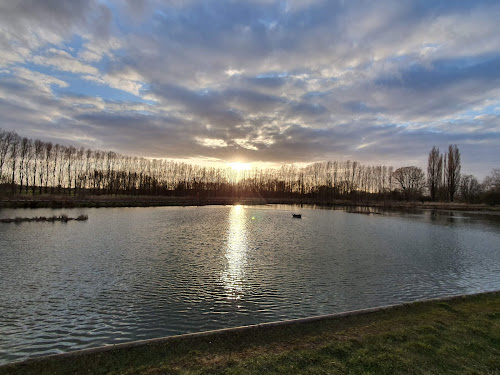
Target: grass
(458, 336)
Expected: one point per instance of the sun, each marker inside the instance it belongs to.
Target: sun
(240, 166)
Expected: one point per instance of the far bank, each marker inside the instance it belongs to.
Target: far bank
(65, 201)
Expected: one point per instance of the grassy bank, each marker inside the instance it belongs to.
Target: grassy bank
(458, 336)
(64, 201)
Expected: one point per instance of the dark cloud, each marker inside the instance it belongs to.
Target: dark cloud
(484, 71)
(24, 18)
(307, 110)
(270, 81)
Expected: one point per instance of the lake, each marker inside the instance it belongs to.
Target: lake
(137, 273)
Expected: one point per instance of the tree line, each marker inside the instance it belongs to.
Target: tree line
(35, 167)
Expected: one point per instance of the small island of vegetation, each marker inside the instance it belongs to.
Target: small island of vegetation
(63, 218)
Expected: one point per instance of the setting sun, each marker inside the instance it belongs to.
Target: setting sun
(240, 166)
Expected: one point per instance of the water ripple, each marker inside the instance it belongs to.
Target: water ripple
(132, 274)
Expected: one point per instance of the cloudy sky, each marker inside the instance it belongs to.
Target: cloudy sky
(293, 81)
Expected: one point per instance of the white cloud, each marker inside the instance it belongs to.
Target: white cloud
(40, 80)
(63, 61)
(233, 72)
(12, 54)
(117, 82)
(211, 142)
(245, 144)
(94, 50)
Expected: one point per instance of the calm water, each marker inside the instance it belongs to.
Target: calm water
(137, 273)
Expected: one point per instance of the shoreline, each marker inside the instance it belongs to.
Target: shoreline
(167, 201)
(247, 328)
(240, 338)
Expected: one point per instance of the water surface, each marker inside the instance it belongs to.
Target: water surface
(136, 273)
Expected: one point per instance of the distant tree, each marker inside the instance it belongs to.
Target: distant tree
(411, 180)
(28, 164)
(491, 186)
(39, 148)
(470, 188)
(61, 166)
(5, 142)
(434, 172)
(48, 158)
(65, 169)
(14, 152)
(453, 171)
(37, 164)
(54, 160)
(23, 154)
(78, 176)
(69, 158)
(492, 181)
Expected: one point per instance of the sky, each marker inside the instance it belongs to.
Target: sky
(261, 81)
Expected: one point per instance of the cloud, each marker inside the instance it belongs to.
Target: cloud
(42, 81)
(33, 24)
(63, 61)
(120, 82)
(94, 50)
(275, 81)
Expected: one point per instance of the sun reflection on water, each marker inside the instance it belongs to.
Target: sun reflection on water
(233, 275)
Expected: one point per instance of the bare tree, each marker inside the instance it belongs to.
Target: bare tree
(69, 156)
(453, 171)
(23, 153)
(27, 164)
(491, 185)
(492, 181)
(48, 158)
(5, 143)
(470, 188)
(434, 172)
(61, 161)
(79, 175)
(37, 164)
(64, 168)
(411, 180)
(54, 158)
(14, 152)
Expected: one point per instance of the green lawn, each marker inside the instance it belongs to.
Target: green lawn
(459, 336)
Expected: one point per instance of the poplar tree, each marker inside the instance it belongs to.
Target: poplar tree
(453, 171)
(434, 171)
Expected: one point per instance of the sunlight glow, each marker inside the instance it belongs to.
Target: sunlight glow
(240, 166)
(233, 277)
